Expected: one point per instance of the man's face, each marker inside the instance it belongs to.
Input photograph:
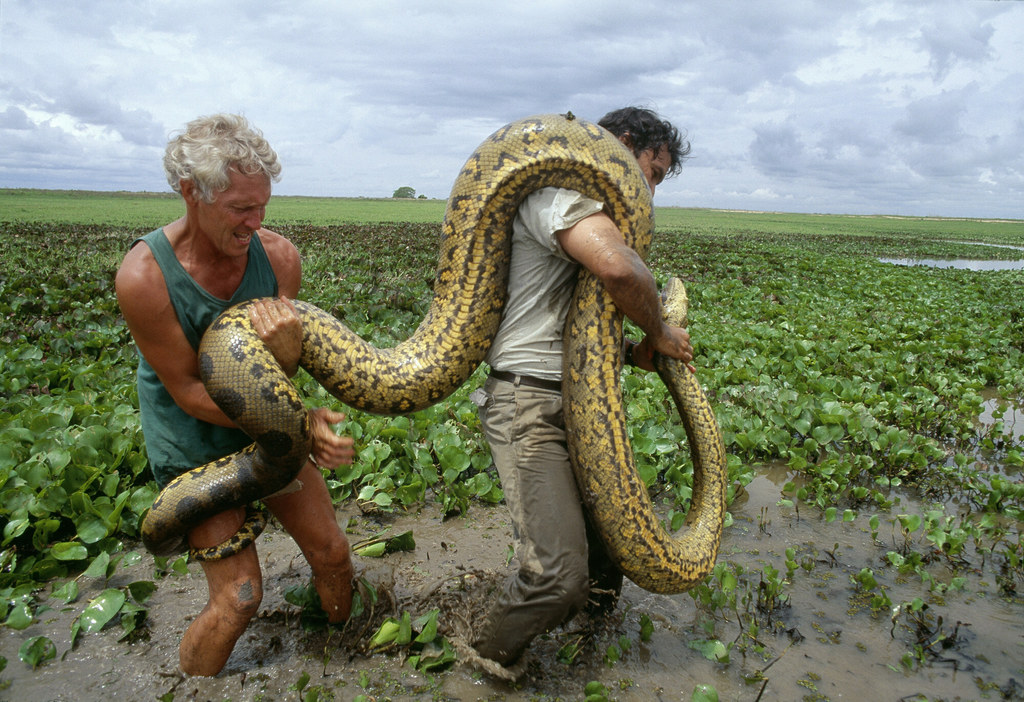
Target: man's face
(235, 213)
(655, 164)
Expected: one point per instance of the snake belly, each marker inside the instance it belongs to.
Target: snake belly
(245, 381)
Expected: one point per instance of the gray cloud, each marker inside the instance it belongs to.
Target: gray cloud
(861, 106)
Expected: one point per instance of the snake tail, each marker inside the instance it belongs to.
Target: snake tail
(610, 486)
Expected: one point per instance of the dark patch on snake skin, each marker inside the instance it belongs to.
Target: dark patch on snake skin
(275, 442)
(205, 365)
(268, 393)
(187, 506)
(231, 402)
(505, 160)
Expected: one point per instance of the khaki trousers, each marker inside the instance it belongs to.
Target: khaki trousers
(526, 432)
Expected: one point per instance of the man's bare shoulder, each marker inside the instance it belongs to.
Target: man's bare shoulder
(139, 277)
(284, 259)
(277, 245)
(138, 259)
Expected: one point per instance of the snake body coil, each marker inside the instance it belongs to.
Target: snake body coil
(245, 381)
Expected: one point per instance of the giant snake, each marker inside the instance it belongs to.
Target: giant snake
(243, 378)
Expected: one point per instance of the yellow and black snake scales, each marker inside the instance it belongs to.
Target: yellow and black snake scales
(452, 340)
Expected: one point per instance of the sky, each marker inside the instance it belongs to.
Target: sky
(831, 106)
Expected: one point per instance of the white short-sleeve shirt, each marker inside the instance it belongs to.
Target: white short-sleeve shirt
(541, 282)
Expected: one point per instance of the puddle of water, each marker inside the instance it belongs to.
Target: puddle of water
(1012, 415)
(966, 264)
(847, 651)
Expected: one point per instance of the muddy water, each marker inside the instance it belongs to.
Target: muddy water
(823, 642)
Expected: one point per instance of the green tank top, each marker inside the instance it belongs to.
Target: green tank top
(175, 441)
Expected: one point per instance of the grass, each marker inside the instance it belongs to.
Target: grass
(153, 209)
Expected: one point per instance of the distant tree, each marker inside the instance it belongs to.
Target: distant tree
(405, 191)
(422, 197)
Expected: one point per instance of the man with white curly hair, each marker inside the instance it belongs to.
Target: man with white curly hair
(170, 289)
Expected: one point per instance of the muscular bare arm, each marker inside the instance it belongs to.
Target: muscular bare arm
(147, 309)
(142, 295)
(597, 244)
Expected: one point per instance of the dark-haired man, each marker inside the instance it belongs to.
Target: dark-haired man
(561, 560)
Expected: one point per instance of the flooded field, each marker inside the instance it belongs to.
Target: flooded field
(874, 548)
(810, 631)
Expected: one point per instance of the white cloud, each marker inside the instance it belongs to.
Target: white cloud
(908, 107)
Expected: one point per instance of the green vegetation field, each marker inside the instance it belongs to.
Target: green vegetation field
(866, 379)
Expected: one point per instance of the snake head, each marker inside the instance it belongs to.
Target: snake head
(675, 303)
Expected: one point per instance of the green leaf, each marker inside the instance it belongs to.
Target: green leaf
(434, 657)
(76, 629)
(453, 459)
(373, 550)
(427, 626)
(379, 546)
(15, 528)
(386, 633)
(66, 593)
(130, 559)
(91, 528)
(69, 551)
(404, 635)
(301, 683)
(712, 649)
(646, 627)
(141, 590)
(37, 650)
(20, 615)
(99, 566)
(101, 610)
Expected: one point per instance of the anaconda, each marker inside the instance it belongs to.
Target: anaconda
(609, 483)
(243, 378)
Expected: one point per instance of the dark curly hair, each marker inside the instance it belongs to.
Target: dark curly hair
(646, 130)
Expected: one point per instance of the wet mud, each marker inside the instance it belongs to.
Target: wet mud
(820, 639)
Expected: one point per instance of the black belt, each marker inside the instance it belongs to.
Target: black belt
(528, 380)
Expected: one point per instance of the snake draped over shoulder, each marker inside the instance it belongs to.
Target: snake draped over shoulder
(243, 378)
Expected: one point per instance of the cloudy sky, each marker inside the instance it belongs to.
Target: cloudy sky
(909, 107)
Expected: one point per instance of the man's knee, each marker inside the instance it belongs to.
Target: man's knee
(240, 600)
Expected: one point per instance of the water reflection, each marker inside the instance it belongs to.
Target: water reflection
(1011, 414)
(967, 264)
